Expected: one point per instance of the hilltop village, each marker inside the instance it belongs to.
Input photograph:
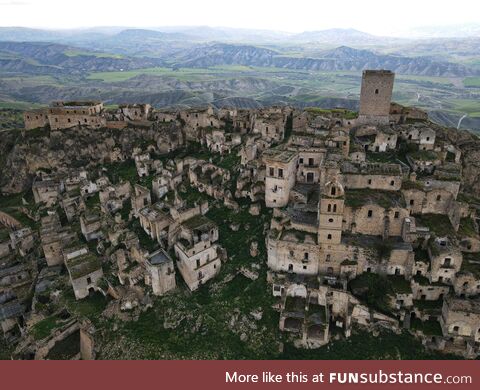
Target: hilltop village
(352, 221)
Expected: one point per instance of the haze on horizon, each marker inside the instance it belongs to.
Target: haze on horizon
(371, 16)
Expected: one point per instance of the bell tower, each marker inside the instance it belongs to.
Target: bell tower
(330, 213)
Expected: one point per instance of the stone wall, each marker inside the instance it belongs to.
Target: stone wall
(374, 182)
(35, 119)
(297, 257)
(376, 93)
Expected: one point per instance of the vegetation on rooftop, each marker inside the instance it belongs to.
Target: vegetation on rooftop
(361, 197)
(340, 112)
(399, 284)
(467, 228)
(429, 306)
(471, 263)
(424, 155)
(373, 289)
(437, 223)
(428, 328)
(45, 327)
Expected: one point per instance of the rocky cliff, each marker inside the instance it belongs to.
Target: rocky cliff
(23, 153)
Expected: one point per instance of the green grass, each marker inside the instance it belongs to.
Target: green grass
(343, 113)
(122, 171)
(360, 198)
(44, 328)
(470, 264)
(75, 53)
(90, 307)
(92, 201)
(65, 349)
(11, 205)
(429, 306)
(204, 327)
(181, 74)
(363, 345)
(399, 284)
(467, 228)
(437, 223)
(429, 327)
(466, 106)
(374, 290)
(5, 349)
(472, 82)
(19, 105)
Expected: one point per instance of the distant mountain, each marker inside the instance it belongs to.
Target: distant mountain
(452, 31)
(141, 34)
(20, 34)
(442, 48)
(228, 34)
(340, 59)
(337, 36)
(227, 54)
(52, 58)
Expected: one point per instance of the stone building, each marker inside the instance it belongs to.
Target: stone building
(330, 214)
(35, 119)
(375, 176)
(402, 114)
(419, 134)
(64, 115)
(376, 138)
(430, 196)
(135, 112)
(376, 96)
(445, 259)
(271, 123)
(91, 225)
(198, 118)
(54, 238)
(196, 251)
(156, 221)
(23, 240)
(378, 213)
(281, 168)
(141, 198)
(46, 191)
(460, 320)
(309, 163)
(293, 251)
(161, 272)
(84, 269)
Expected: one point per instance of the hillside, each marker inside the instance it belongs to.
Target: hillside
(340, 59)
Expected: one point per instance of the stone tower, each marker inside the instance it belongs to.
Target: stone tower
(330, 214)
(376, 95)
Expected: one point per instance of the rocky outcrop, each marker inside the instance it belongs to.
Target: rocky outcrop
(58, 151)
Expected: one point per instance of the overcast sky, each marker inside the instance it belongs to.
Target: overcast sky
(373, 16)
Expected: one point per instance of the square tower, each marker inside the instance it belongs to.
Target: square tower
(376, 95)
(281, 170)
